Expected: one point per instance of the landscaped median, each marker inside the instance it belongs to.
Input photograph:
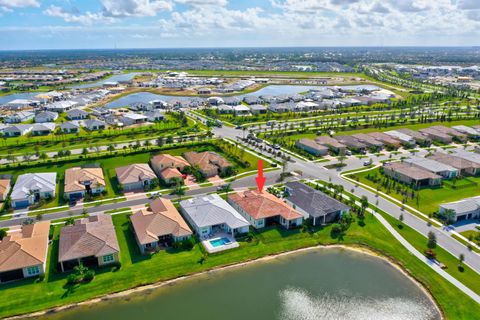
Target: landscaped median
(136, 269)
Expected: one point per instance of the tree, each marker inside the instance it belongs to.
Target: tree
(432, 240)
(448, 216)
(364, 203)
(111, 148)
(85, 152)
(461, 258)
(227, 188)
(3, 233)
(179, 190)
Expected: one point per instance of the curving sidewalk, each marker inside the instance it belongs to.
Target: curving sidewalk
(435, 267)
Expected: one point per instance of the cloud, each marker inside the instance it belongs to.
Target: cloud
(19, 3)
(88, 18)
(468, 4)
(201, 3)
(136, 8)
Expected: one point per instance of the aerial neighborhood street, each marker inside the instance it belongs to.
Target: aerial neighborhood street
(206, 182)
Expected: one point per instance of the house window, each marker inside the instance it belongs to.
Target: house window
(108, 258)
(32, 271)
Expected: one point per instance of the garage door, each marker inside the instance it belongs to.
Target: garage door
(11, 275)
(75, 196)
(22, 204)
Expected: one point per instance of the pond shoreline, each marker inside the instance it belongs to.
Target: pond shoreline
(122, 294)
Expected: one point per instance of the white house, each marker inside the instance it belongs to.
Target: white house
(31, 187)
(41, 129)
(77, 114)
(17, 130)
(211, 214)
(18, 117)
(46, 116)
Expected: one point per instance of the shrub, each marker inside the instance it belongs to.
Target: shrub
(72, 279)
(89, 275)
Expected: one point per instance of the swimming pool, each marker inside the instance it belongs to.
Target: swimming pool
(219, 242)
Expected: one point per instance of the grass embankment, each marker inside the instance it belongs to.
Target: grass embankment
(28, 295)
(426, 199)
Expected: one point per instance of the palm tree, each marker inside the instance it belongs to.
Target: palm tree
(227, 188)
(179, 191)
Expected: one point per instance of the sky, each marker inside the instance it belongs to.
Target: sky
(92, 24)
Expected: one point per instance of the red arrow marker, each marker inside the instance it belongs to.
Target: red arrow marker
(260, 179)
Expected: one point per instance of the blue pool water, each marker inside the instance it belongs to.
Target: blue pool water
(219, 242)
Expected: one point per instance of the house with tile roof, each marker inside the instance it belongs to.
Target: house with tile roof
(136, 176)
(158, 226)
(411, 175)
(163, 161)
(23, 252)
(31, 187)
(80, 181)
(314, 204)
(91, 241)
(5, 187)
(262, 209)
(210, 214)
(209, 163)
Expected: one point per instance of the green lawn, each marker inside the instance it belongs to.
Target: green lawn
(29, 295)
(111, 161)
(472, 234)
(428, 198)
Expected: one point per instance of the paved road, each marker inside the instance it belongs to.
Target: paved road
(272, 178)
(313, 170)
(310, 170)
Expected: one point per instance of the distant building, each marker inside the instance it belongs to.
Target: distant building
(311, 147)
(411, 175)
(77, 114)
(93, 125)
(43, 129)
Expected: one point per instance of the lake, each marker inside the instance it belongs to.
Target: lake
(317, 284)
(270, 90)
(115, 78)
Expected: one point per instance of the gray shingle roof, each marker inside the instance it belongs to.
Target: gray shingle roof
(314, 202)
